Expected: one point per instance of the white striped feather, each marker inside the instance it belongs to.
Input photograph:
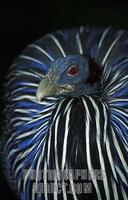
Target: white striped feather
(115, 88)
(30, 149)
(81, 29)
(49, 141)
(106, 73)
(98, 140)
(122, 136)
(55, 146)
(40, 117)
(89, 162)
(64, 187)
(25, 96)
(118, 100)
(121, 121)
(55, 193)
(121, 175)
(27, 73)
(125, 196)
(22, 56)
(111, 161)
(120, 154)
(45, 180)
(37, 47)
(105, 112)
(104, 34)
(10, 81)
(72, 186)
(20, 167)
(57, 43)
(114, 187)
(120, 33)
(114, 79)
(40, 158)
(63, 162)
(17, 90)
(26, 111)
(121, 63)
(78, 42)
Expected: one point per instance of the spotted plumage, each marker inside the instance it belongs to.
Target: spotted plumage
(86, 128)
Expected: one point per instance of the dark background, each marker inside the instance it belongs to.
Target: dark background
(23, 22)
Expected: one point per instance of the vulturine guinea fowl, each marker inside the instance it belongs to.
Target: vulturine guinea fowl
(66, 108)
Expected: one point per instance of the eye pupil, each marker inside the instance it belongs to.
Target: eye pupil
(73, 70)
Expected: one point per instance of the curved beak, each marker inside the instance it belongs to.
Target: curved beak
(48, 88)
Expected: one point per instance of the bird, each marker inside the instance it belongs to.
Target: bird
(66, 116)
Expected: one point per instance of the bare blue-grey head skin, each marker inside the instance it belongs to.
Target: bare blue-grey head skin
(58, 81)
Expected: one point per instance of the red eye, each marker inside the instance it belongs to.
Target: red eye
(73, 70)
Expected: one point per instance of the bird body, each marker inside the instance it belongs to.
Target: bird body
(66, 109)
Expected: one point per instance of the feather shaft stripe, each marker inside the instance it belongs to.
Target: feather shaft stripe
(121, 175)
(81, 29)
(79, 43)
(65, 139)
(55, 146)
(125, 196)
(101, 158)
(72, 186)
(119, 151)
(55, 188)
(121, 122)
(121, 63)
(110, 158)
(115, 193)
(41, 50)
(50, 131)
(105, 122)
(89, 163)
(115, 88)
(30, 59)
(45, 181)
(112, 46)
(27, 73)
(39, 162)
(104, 34)
(57, 43)
(125, 142)
(22, 97)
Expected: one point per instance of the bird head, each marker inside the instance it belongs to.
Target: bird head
(69, 76)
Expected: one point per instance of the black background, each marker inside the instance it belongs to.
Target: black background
(22, 22)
